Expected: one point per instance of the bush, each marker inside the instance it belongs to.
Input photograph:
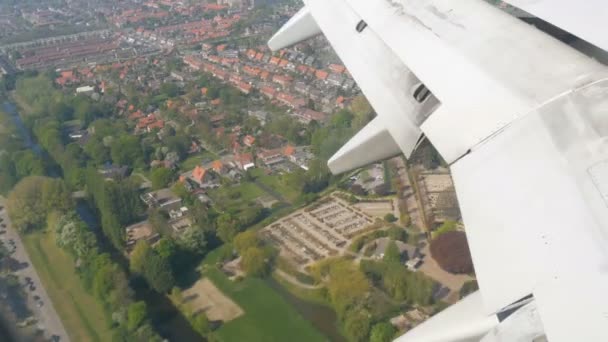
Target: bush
(451, 251)
(406, 220)
(447, 226)
(468, 288)
(390, 218)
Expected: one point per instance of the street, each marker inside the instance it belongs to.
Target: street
(45, 313)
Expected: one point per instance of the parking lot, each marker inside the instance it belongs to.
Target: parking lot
(321, 230)
(37, 298)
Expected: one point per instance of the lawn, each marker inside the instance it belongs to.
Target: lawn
(80, 313)
(268, 317)
(275, 183)
(236, 196)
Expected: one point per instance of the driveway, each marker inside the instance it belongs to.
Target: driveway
(45, 315)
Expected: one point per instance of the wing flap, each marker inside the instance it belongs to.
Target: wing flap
(372, 143)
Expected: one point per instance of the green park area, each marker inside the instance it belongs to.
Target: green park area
(268, 317)
(80, 313)
(278, 184)
(236, 197)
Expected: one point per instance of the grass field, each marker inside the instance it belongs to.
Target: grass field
(268, 317)
(80, 313)
(236, 196)
(275, 183)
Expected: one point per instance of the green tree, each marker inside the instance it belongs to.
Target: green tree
(347, 285)
(397, 234)
(254, 262)
(390, 218)
(246, 240)
(157, 272)
(468, 287)
(141, 252)
(27, 163)
(153, 267)
(392, 253)
(97, 151)
(227, 227)
(357, 324)
(200, 323)
(127, 150)
(33, 198)
(382, 332)
(161, 177)
(447, 226)
(136, 315)
(193, 240)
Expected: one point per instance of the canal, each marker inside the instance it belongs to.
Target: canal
(322, 318)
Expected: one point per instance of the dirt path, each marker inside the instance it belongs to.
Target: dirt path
(295, 281)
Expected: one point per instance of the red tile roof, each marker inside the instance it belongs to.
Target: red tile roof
(322, 75)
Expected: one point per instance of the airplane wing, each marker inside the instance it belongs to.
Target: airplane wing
(581, 18)
(522, 119)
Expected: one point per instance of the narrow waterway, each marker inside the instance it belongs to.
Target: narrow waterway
(322, 318)
(167, 320)
(23, 132)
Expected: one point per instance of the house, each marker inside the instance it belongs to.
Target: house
(163, 199)
(261, 115)
(219, 167)
(335, 79)
(283, 80)
(306, 115)
(141, 231)
(321, 75)
(244, 161)
(202, 177)
(271, 157)
(337, 68)
(86, 90)
(180, 224)
(114, 172)
(289, 151)
(269, 92)
(249, 140)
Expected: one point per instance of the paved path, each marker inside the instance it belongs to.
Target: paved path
(46, 315)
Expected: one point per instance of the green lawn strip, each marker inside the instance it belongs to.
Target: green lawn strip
(267, 316)
(81, 315)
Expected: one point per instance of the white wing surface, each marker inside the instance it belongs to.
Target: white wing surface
(585, 19)
(523, 120)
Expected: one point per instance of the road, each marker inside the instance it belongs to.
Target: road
(46, 315)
